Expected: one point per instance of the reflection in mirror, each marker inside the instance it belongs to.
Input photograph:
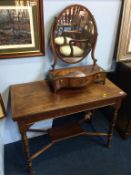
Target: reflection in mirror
(73, 35)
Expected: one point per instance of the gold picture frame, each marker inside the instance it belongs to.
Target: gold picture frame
(2, 108)
(21, 28)
(124, 45)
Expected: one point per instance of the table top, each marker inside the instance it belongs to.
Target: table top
(36, 98)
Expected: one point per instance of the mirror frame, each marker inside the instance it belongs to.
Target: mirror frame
(123, 51)
(52, 44)
(2, 108)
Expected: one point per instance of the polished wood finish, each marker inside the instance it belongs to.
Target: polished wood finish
(76, 77)
(32, 102)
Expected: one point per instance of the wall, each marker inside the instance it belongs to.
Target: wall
(21, 70)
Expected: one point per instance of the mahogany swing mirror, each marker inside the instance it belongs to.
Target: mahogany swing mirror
(73, 36)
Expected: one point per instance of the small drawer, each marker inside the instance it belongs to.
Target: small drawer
(100, 77)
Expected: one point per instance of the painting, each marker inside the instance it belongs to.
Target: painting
(124, 45)
(2, 109)
(16, 27)
(21, 28)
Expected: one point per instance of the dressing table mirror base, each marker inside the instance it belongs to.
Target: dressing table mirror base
(76, 77)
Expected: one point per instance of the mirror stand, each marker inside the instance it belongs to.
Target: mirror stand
(73, 36)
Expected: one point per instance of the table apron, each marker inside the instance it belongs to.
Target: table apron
(68, 111)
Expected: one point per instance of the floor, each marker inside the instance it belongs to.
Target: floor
(78, 156)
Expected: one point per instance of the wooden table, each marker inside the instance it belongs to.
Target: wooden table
(33, 102)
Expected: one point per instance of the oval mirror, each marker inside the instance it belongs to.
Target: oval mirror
(73, 35)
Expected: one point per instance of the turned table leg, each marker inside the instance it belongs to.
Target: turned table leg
(113, 122)
(26, 148)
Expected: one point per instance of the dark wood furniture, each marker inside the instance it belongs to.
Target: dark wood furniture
(121, 77)
(76, 77)
(33, 102)
(73, 36)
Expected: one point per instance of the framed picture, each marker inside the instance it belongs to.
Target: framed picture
(21, 28)
(2, 109)
(124, 45)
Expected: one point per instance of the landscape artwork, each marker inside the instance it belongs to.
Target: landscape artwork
(16, 27)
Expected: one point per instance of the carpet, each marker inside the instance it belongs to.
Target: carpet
(83, 155)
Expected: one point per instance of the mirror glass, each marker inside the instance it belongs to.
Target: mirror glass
(74, 34)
